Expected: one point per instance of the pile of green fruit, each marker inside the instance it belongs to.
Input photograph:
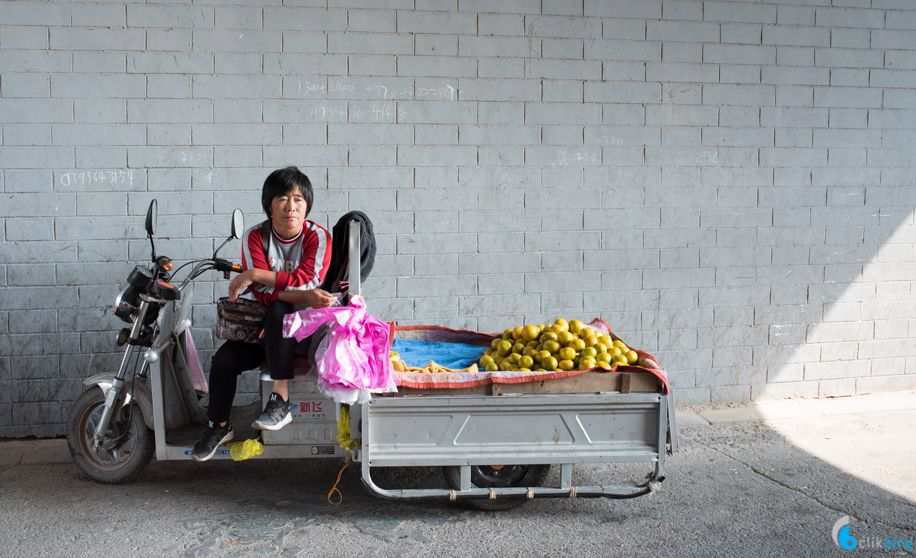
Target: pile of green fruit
(561, 345)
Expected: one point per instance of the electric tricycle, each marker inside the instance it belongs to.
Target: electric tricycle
(495, 447)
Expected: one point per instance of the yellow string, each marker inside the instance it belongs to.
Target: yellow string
(334, 488)
(347, 443)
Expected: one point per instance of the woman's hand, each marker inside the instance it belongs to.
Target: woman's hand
(240, 282)
(318, 298)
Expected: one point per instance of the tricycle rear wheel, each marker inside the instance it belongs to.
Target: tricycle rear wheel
(487, 476)
(127, 447)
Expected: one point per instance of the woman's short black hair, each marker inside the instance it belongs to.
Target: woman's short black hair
(283, 181)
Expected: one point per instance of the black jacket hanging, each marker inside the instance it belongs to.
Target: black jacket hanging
(340, 234)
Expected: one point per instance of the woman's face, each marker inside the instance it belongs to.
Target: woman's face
(287, 212)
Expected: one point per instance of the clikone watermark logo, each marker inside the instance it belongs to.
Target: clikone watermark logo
(843, 538)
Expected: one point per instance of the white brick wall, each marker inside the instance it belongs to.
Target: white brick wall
(730, 185)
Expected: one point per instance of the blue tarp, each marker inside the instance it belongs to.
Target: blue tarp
(417, 354)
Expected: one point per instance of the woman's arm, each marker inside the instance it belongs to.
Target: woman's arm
(316, 298)
(249, 276)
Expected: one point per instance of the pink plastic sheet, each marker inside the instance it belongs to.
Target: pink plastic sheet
(195, 371)
(352, 356)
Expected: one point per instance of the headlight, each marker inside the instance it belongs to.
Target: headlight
(120, 298)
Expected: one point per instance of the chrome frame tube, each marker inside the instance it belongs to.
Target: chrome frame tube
(659, 474)
(353, 270)
(192, 272)
(597, 491)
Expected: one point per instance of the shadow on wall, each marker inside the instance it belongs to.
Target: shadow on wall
(864, 340)
(791, 291)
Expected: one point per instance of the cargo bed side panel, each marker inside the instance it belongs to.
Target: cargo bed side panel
(520, 429)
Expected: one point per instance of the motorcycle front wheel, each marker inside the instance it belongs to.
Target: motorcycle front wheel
(497, 476)
(127, 447)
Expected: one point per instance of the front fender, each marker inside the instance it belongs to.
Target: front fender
(141, 394)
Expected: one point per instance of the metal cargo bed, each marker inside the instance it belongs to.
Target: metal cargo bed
(516, 429)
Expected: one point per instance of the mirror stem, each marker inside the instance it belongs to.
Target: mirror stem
(221, 246)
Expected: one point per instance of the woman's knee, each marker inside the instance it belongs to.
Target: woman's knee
(222, 362)
(232, 358)
(276, 311)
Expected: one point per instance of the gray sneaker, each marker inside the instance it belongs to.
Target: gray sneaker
(276, 414)
(213, 437)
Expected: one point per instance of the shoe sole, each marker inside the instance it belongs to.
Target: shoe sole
(272, 427)
(227, 438)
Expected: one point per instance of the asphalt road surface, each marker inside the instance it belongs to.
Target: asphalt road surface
(735, 488)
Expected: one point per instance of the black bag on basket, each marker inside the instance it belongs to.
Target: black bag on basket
(240, 319)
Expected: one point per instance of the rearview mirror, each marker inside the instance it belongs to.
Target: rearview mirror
(238, 224)
(151, 217)
(238, 229)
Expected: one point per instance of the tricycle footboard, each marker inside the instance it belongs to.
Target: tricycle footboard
(537, 429)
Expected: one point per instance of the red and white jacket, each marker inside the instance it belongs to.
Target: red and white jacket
(300, 262)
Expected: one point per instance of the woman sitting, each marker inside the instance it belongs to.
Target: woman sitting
(283, 274)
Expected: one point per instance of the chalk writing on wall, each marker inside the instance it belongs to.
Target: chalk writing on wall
(567, 158)
(437, 91)
(83, 178)
(377, 112)
(708, 158)
(607, 140)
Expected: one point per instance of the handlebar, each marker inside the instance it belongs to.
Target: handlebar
(226, 267)
(218, 264)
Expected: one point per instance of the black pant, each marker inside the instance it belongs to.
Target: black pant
(235, 357)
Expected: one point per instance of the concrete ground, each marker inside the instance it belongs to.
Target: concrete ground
(762, 480)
